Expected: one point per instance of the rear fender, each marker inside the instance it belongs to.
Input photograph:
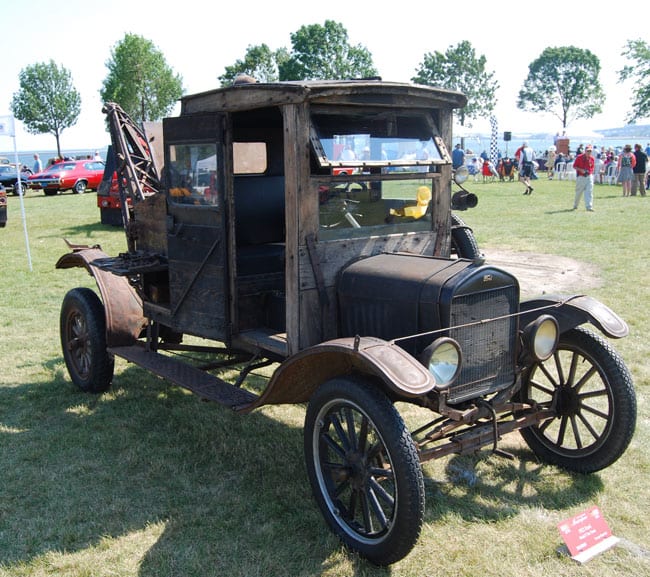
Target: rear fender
(296, 379)
(573, 310)
(123, 306)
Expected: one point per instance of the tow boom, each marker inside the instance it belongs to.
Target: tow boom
(136, 170)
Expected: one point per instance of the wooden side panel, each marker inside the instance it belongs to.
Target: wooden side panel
(150, 218)
(320, 316)
(442, 194)
(296, 169)
(197, 281)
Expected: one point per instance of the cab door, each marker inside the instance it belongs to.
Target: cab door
(196, 231)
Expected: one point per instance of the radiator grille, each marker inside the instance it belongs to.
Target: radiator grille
(488, 348)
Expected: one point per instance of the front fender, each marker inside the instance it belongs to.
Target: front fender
(573, 310)
(122, 305)
(296, 379)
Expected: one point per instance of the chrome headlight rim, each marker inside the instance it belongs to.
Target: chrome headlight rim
(461, 174)
(443, 358)
(541, 337)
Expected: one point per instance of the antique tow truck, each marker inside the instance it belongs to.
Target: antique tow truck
(308, 227)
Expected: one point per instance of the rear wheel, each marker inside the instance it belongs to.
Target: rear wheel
(590, 389)
(80, 186)
(364, 469)
(83, 340)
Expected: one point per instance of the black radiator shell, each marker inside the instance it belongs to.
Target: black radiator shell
(395, 295)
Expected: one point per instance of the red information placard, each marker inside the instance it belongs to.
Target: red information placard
(586, 534)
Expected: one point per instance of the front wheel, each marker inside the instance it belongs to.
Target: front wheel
(83, 340)
(364, 469)
(590, 390)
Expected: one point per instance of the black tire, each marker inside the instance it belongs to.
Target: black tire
(463, 242)
(15, 189)
(80, 186)
(364, 469)
(83, 340)
(591, 390)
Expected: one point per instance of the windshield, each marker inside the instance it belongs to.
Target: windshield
(376, 137)
(376, 172)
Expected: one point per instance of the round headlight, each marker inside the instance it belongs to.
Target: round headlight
(461, 174)
(443, 359)
(541, 336)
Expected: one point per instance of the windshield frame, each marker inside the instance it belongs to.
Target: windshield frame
(376, 137)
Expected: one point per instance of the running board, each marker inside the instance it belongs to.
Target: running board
(203, 384)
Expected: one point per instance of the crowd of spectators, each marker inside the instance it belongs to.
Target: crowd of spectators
(556, 164)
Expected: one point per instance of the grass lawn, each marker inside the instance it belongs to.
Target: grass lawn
(148, 480)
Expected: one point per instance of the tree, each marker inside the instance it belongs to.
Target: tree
(459, 69)
(260, 62)
(140, 81)
(563, 81)
(324, 53)
(47, 101)
(638, 52)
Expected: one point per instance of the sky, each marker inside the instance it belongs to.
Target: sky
(199, 39)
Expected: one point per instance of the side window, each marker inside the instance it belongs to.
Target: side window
(192, 172)
(249, 157)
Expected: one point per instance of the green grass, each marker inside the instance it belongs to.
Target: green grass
(148, 480)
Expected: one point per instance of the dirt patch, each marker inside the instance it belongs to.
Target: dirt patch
(545, 273)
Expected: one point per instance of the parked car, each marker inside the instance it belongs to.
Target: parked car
(8, 178)
(3, 206)
(76, 175)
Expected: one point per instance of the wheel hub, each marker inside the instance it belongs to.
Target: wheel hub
(357, 465)
(566, 401)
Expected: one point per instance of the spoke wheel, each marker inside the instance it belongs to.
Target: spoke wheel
(364, 469)
(590, 390)
(83, 340)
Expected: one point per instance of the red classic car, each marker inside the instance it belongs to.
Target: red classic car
(76, 175)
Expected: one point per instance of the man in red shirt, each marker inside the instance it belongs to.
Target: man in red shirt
(584, 166)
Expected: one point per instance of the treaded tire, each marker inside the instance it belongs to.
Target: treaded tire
(591, 390)
(83, 341)
(463, 241)
(364, 469)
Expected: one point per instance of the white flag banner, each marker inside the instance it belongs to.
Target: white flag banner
(7, 126)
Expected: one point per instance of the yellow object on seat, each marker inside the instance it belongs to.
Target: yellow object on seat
(420, 209)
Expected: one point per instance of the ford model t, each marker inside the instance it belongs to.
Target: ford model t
(308, 227)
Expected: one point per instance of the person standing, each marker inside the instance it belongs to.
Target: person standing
(550, 162)
(457, 157)
(639, 170)
(38, 165)
(626, 163)
(526, 167)
(584, 165)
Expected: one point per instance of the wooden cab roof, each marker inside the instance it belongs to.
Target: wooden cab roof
(247, 96)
